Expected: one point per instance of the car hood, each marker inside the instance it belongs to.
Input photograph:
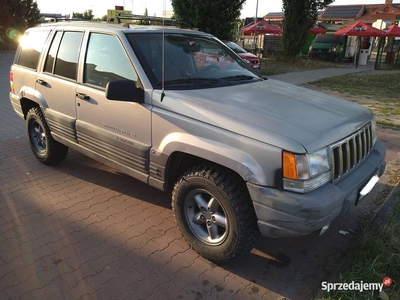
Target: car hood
(271, 111)
(247, 55)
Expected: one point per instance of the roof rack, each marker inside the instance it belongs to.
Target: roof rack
(152, 20)
(55, 19)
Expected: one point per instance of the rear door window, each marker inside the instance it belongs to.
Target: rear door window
(63, 55)
(51, 57)
(68, 53)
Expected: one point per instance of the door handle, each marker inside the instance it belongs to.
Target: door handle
(82, 96)
(41, 81)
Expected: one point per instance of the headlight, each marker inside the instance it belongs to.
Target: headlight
(305, 172)
(246, 60)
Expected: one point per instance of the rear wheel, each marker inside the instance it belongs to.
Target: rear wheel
(44, 147)
(214, 213)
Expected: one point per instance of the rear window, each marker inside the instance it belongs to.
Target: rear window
(31, 46)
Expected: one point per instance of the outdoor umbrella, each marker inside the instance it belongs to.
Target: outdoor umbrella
(392, 31)
(261, 27)
(316, 29)
(359, 29)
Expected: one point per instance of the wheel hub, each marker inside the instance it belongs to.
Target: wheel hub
(206, 217)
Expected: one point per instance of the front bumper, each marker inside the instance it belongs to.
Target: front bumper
(287, 214)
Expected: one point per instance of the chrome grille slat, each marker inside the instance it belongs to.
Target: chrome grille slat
(340, 161)
(347, 151)
(364, 142)
(350, 152)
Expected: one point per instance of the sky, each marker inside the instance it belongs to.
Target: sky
(156, 7)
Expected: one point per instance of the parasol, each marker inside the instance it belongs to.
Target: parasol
(359, 29)
(261, 27)
(391, 31)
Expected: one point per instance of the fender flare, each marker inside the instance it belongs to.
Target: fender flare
(230, 157)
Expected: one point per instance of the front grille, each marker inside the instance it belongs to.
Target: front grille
(350, 152)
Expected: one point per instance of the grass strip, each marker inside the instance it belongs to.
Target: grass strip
(377, 257)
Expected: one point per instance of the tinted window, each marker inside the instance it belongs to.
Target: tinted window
(31, 46)
(106, 61)
(52, 53)
(67, 57)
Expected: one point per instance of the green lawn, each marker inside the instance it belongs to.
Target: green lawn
(375, 257)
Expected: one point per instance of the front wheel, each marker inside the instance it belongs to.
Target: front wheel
(44, 147)
(214, 213)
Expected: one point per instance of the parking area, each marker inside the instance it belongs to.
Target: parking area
(82, 230)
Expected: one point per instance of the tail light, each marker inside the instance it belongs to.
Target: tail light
(12, 82)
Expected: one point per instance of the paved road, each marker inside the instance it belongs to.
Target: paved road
(82, 230)
(303, 77)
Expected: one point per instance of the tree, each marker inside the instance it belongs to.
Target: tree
(218, 17)
(300, 15)
(86, 15)
(15, 17)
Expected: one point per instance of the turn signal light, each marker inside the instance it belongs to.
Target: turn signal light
(289, 166)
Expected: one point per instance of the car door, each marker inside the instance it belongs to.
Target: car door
(118, 131)
(56, 84)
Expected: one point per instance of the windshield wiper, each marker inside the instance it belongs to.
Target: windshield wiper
(191, 80)
(238, 78)
(174, 81)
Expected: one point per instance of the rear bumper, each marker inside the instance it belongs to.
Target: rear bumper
(16, 104)
(287, 214)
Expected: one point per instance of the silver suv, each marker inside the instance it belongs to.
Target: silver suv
(179, 110)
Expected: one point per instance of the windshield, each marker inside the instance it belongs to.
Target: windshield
(236, 47)
(191, 61)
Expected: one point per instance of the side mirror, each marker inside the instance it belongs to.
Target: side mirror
(124, 90)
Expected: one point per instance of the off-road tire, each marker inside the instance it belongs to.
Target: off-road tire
(44, 147)
(226, 201)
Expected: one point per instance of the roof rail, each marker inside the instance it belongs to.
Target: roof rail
(55, 19)
(152, 20)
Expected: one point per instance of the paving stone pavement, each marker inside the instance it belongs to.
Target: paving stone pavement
(82, 230)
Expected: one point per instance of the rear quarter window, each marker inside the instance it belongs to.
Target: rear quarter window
(31, 45)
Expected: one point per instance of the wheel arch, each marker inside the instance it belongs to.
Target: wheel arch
(27, 104)
(30, 98)
(187, 155)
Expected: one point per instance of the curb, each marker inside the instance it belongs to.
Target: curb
(383, 211)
